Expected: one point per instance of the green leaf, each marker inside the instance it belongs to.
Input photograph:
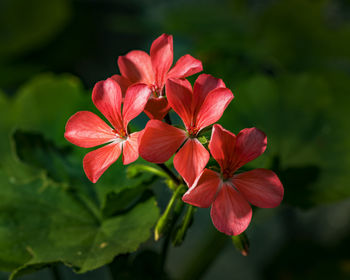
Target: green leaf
(41, 222)
(35, 150)
(47, 102)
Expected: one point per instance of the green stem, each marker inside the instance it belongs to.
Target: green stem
(172, 176)
(177, 210)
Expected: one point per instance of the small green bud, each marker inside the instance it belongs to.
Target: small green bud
(203, 140)
(241, 243)
(171, 213)
(181, 230)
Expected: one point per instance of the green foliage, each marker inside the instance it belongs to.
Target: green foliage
(61, 228)
(27, 24)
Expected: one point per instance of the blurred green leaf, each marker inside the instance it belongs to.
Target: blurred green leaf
(46, 102)
(27, 24)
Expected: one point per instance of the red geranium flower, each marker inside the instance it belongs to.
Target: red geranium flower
(228, 192)
(85, 129)
(197, 110)
(153, 70)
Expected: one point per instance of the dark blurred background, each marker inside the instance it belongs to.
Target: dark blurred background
(288, 65)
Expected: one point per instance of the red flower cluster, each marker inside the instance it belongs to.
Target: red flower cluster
(148, 84)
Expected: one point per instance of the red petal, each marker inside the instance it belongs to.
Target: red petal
(135, 101)
(160, 141)
(213, 107)
(250, 143)
(162, 58)
(96, 162)
(137, 67)
(123, 82)
(261, 187)
(157, 108)
(179, 94)
(131, 148)
(204, 189)
(107, 98)
(186, 66)
(190, 160)
(230, 212)
(203, 85)
(85, 129)
(222, 146)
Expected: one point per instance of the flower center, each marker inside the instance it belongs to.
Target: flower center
(156, 91)
(227, 174)
(120, 133)
(192, 131)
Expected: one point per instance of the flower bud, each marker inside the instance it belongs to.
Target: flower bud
(241, 243)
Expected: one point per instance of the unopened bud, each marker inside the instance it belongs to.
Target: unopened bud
(171, 213)
(181, 230)
(241, 243)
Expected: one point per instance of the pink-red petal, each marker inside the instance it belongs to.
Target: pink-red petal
(204, 84)
(179, 94)
(213, 107)
(136, 66)
(204, 189)
(186, 66)
(162, 58)
(157, 108)
(96, 162)
(190, 160)
(107, 97)
(123, 82)
(261, 187)
(250, 143)
(85, 129)
(230, 212)
(222, 146)
(160, 141)
(131, 148)
(135, 101)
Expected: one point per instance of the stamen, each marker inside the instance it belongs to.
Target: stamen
(120, 133)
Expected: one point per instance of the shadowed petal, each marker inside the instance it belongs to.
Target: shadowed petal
(96, 162)
(179, 94)
(250, 143)
(186, 66)
(85, 129)
(157, 108)
(135, 101)
(137, 67)
(123, 82)
(190, 160)
(213, 107)
(131, 148)
(222, 146)
(204, 189)
(162, 57)
(160, 141)
(203, 85)
(107, 98)
(230, 212)
(261, 187)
